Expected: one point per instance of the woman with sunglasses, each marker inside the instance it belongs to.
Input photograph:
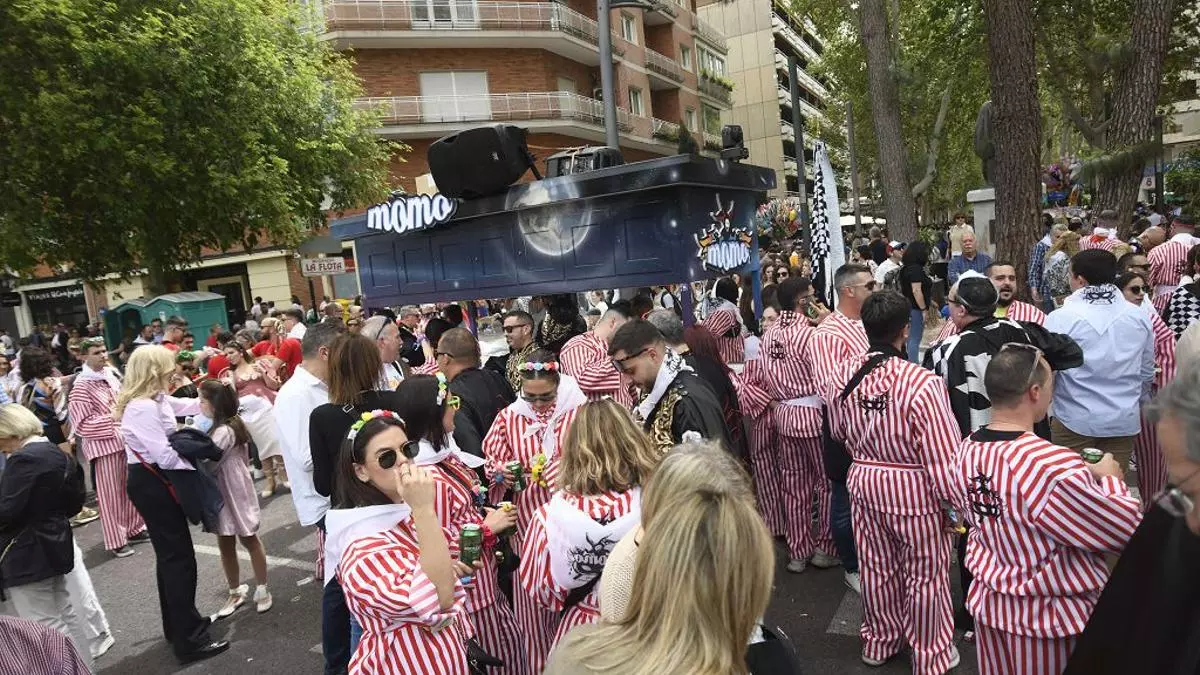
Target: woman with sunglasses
(1183, 308)
(606, 459)
(428, 409)
(387, 550)
(1152, 469)
(254, 377)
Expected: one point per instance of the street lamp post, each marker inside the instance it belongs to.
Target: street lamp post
(607, 85)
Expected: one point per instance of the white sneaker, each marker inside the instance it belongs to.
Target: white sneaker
(955, 658)
(824, 561)
(262, 599)
(874, 663)
(103, 646)
(852, 582)
(797, 565)
(237, 598)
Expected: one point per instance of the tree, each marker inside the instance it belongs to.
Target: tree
(135, 133)
(1183, 181)
(1016, 128)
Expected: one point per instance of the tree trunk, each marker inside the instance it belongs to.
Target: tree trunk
(935, 142)
(1016, 128)
(898, 204)
(1135, 97)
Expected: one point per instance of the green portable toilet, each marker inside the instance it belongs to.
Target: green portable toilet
(129, 315)
(200, 309)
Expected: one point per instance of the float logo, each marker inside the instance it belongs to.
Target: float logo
(722, 245)
(411, 213)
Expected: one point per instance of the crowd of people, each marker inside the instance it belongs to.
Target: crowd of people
(602, 496)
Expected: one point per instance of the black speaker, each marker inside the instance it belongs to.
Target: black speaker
(582, 160)
(479, 162)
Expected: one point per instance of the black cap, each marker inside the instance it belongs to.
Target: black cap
(977, 294)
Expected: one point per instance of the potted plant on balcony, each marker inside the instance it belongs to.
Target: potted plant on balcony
(717, 79)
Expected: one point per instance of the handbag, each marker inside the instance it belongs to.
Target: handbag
(478, 661)
(775, 655)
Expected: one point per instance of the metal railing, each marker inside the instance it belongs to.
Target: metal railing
(663, 7)
(806, 108)
(715, 90)
(664, 130)
(710, 34)
(663, 65)
(552, 105)
(457, 15)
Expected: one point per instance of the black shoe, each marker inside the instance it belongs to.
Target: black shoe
(143, 536)
(208, 650)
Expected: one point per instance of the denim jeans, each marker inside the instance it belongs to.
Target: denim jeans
(839, 522)
(916, 330)
(356, 633)
(335, 629)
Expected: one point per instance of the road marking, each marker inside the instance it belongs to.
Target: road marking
(848, 617)
(273, 561)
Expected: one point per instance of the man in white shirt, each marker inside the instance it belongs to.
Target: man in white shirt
(1097, 405)
(387, 337)
(293, 323)
(895, 251)
(297, 398)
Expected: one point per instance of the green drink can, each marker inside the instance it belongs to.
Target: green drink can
(518, 485)
(1091, 455)
(470, 544)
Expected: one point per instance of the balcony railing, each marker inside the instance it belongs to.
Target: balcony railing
(712, 141)
(781, 64)
(806, 108)
(663, 65)
(554, 105)
(793, 38)
(715, 90)
(458, 15)
(711, 35)
(664, 130)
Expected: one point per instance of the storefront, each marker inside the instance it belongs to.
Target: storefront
(65, 304)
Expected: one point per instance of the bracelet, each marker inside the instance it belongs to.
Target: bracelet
(489, 538)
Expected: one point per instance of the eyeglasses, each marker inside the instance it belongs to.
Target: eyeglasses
(1137, 290)
(1033, 368)
(1175, 501)
(540, 398)
(870, 285)
(781, 275)
(622, 365)
(454, 401)
(388, 458)
(445, 354)
(509, 329)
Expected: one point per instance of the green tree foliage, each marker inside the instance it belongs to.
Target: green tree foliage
(1183, 181)
(135, 132)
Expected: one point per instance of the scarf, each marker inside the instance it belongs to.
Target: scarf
(570, 397)
(578, 545)
(427, 456)
(553, 331)
(672, 365)
(106, 373)
(1096, 304)
(345, 526)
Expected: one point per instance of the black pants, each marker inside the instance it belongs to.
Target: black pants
(335, 625)
(175, 561)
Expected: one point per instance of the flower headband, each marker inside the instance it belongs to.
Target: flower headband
(442, 387)
(367, 417)
(534, 367)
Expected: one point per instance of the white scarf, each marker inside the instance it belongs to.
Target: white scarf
(427, 455)
(672, 365)
(345, 526)
(570, 397)
(1096, 304)
(578, 545)
(107, 373)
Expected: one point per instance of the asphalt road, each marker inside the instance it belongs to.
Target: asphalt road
(814, 608)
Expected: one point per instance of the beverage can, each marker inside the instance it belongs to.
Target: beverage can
(516, 467)
(470, 544)
(1091, 455)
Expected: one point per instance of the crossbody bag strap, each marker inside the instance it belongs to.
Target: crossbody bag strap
(871, 364)
(157, 474)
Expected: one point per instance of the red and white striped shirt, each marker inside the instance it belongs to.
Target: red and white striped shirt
(721, 322)
(899, 428)
(1099, 242)
(752, 399)
(1017, 311)
(1168, 262)
(836, 339)
(1039, 524)
(454, 502)
(31, 648)
(585, 358)
(428, 368)
(517, 438)
(1164, 351)
(787, 376)
(89, 407)
(405, 631)
(534, 574)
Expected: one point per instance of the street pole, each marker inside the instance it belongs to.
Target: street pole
(798, 128)
(603, 19)
(853, 171)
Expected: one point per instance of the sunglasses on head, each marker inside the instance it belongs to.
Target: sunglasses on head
(1037, 356)
(388, 458)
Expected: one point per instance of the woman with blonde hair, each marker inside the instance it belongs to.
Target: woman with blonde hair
(147, 417)
(606, 458)
(1058, 265)
(702, 578)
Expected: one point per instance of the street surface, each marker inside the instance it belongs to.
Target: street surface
(814, 608)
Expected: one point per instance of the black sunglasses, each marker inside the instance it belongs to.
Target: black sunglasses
(387, 459)
(540, 398)
(622, 364)
(509, 329)
(1138, 290)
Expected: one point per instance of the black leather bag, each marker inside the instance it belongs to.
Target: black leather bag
(775, 655)
(478, 661)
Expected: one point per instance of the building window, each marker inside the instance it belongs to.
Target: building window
(689, 118)
(712, 121)
(628, 29)
(445, 13)
(566, 84)
(711, 62)
(455, 97)
(685, 57)
(635, 101)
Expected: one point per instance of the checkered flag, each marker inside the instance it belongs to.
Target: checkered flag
(827, 249)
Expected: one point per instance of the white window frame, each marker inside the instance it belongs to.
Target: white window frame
(455, 106)
(685, 57)
(689, 118)
(636, 105)
(445, 14)
(629, 28)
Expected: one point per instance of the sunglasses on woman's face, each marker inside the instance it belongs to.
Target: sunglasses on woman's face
(540, 398)
(1137, 290)
(387, 459)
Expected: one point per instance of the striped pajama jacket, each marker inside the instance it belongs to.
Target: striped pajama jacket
(1151, 466)
(585, 358)
(1017, 311)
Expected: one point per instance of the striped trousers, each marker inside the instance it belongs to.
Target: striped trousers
(496, 630)
(537, 625)
(904, 569)
(118, 517)
(1002, 653)
(766, 473)
(1151, 466)
(801, 480)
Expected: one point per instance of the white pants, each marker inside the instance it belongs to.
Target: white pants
(83, 598)
(47, 602)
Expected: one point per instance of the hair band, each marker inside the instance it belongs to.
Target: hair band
(367, 417)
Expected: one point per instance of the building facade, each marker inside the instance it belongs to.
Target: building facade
(762, 35)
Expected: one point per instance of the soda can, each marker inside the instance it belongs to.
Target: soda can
(470, 544)
(516, 467)
(1091, 455)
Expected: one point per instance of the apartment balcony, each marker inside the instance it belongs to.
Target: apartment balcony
(664, 130)
(717, 90)
(661, 12)
(787, 131)
(451, 24)
(709, 34)
(712, 142)
(665, 72)
(780, 27)
(806, 109)
(792, 169)
(807, 81)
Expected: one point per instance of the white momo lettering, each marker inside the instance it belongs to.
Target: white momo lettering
(409, 214)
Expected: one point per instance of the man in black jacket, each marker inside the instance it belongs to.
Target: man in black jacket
(483, 393)
(410, 345)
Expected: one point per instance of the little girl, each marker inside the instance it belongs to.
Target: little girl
(239, 517)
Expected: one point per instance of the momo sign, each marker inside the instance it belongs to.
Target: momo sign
(411, 213)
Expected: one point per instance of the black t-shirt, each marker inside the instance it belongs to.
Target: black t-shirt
(327, 428)
(915, 274)
(879, 251)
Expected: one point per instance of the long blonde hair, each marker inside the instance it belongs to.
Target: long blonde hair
(705, 567)
(605, 451)
(1068, 243)
(145, 375)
